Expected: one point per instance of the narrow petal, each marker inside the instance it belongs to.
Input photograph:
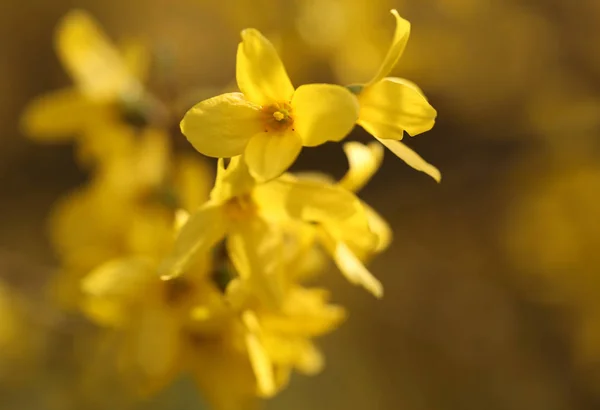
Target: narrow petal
(323, 112)
(221, 126)
(394, 105)
(61, 115)
(412, 158)
(261, 364)
(353, 269)
(396, 48)
(203, 229)
(364, 161)
(268, 155)
(92, 60)
(260, 73)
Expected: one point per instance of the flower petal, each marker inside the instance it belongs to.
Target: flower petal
(259, 359)
(394, 105)
(221, 126)
(235, 180)
(61, 114)
(364, 161)
(412, 158)
(91, 59)
(153, 347)
(380, 228)
(260, 73)
(204, 228)
(268, 155)
(113, 287)
(255, 248)
(396, 48)
(323, 112)
(353, 269)
(339, 212)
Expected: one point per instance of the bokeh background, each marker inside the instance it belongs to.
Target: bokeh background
(493, 280)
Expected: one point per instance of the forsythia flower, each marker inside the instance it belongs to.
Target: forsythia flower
(107, 86)
(209, 282)
(124, 210)
(269, 121)
(251, 216)
(390, 106)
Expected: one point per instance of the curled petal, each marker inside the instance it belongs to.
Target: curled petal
(260, 73)
(221, 126)
(412, 158)
(394, 105)
(268, 155)
(364, 161)
(396, 48)
(354, 270)
(323, 112)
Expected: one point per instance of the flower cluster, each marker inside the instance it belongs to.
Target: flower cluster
(210, 279)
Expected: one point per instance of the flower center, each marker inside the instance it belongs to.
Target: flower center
(240, 207)
(277, 117)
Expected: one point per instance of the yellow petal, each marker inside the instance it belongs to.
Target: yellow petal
(255, 248)
(353, 269)
(412, 158)
(224, 377)
(364, 161)
(137, 58)
(268, 155)
(261, 364)
(153, 347)
(61, 115)
(221, 126)
(203, 229)
(335, 208)
(235, 180)
(396, 48)
(112, 288)
(323, 112)
(392, 106)
(91, 59)
(379, 227)
(260, 73)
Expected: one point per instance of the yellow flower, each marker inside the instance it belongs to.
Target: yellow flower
(252, 218)
(390, 106)
(268, 122)
(107, 85)
(280, 341)
(126, 209)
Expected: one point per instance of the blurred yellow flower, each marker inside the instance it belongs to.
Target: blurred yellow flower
(107, 85)
(126, 209)
(390, 106)
(269, 121)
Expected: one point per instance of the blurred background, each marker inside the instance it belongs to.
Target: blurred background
(493, 280)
